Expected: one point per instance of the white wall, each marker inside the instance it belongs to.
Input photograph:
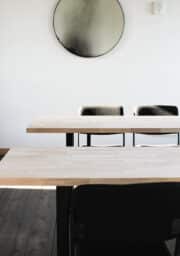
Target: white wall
(38, 77)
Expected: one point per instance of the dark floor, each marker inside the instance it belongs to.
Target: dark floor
(27, 222)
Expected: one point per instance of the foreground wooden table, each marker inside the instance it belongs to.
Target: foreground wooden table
(78, 166)
(66, 167)
(91, 166)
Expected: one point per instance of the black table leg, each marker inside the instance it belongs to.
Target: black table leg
(69, 139)
(63, 201)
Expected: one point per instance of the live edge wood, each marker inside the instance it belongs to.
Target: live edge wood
(105, 124)
(77, 166)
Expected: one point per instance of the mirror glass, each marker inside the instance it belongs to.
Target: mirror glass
(88, 28)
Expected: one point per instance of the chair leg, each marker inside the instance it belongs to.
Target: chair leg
(124, 142)
(134, 141)
(178, 139)
(88, 140)
(78, 139)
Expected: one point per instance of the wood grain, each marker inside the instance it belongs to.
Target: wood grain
(105, 124)
(75, 166)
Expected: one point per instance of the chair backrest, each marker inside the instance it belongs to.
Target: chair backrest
(102, 110)
(156, 110)
(127, 214)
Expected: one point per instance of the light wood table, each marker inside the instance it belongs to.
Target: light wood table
(116, 166)
(66, 167)
(77, 166)
(104, 124)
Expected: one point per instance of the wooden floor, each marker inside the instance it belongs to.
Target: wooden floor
(27, 222)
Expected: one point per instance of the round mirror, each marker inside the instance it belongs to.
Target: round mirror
(88, 28)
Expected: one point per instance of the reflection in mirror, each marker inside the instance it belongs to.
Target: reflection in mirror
(88, 28)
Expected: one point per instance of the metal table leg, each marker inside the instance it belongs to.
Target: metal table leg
(63, 200)
(69, 139)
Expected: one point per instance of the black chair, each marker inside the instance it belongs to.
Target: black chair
(124, 220)
(101, 111)
(156, 110)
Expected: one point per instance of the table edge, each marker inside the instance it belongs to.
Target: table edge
(83, 181)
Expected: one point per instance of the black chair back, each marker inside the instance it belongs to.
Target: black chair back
(102, 111)
(125, 215)
(156, 110)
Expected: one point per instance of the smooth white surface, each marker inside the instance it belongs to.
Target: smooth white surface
(38, 77)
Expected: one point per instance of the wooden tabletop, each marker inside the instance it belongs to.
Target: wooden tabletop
(75, 166)
(105, 124)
